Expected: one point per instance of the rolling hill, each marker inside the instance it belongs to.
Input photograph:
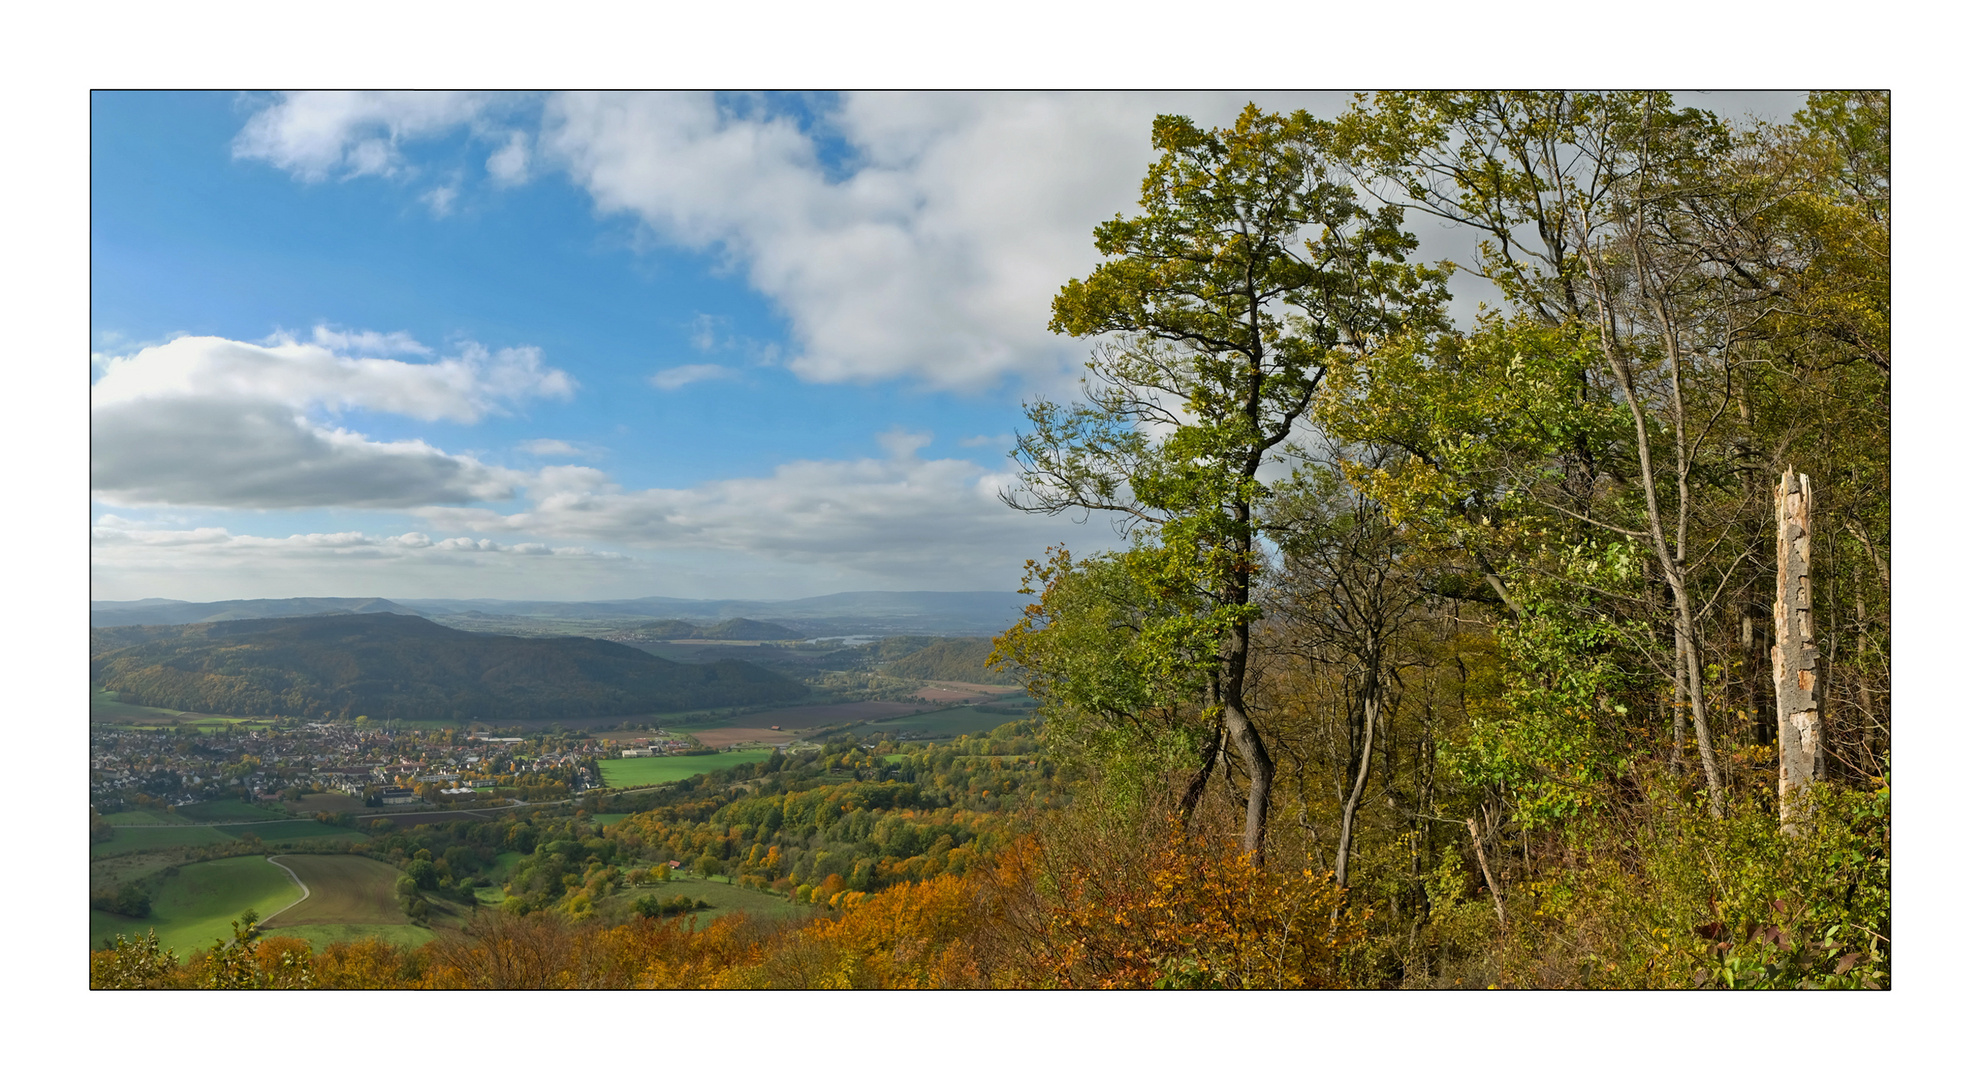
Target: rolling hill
(951, 660)
(388, 665)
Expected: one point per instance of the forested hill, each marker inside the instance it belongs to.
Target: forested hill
(953, 660)
(388, 665)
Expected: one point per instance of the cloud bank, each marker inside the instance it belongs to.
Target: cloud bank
(205, 421)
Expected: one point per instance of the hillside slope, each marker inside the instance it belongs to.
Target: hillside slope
(388, 665)
(951, 660)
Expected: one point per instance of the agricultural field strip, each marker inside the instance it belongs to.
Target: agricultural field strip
(300, 884)
(209, 824)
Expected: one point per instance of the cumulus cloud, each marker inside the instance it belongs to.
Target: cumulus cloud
(674, 378)
(319, 134)
(927, 243)
(370, 342)
(937, 522)
(205, 421)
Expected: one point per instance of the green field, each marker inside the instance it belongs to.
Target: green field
(609, 819)
(722, 898)
(144, 817)
(197, 904)
(276, 832)
(632, 772)
(229, 810)
(343, 889)
(142, 839)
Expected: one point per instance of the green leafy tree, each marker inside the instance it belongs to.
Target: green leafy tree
(1250, 270)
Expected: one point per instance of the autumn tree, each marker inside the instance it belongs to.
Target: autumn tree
(1249, 270)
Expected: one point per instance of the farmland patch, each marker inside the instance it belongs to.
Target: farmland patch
(632, 772)
(343, 889)
(196, 905)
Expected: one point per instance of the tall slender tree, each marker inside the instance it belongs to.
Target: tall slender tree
(1251, 267)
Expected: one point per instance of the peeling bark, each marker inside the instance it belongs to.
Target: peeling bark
(1797, 686)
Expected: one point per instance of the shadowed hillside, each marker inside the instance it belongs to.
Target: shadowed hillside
(952, 660)
(401, 666)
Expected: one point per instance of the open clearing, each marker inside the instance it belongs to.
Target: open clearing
(955, 692)
(277, 832)
(229, 810)
(333, 802)
(723, 899)
(104, 708)
(632, 772)
(197, 905)
(149, 838)
(343, 889)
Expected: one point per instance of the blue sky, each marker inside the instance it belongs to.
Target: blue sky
(530, 346)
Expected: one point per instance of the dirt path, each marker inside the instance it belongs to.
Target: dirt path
(299, 885)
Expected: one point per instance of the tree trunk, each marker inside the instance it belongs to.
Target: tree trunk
(1371, 710)
(1797, 691)
(1244, 736)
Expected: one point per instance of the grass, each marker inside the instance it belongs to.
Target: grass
(196, 905)
(631, 772)
(144, 817)
(332, 802)
(609, 819)
(132, 839)
(343, 889)
(276, 832)
(722, 899)
(229, 810)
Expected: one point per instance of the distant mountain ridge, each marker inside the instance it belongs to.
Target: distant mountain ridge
(388, 665)
(175, 612)
(878, 613)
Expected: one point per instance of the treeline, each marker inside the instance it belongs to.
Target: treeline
(1499, 651)
(344, 666)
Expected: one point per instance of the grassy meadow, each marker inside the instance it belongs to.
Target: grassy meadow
(197, 904)
(633, 772)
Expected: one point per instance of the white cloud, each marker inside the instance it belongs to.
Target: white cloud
(509, 166)
(931, 523)
(932, 253)
(934, 257)
(317, 134)
(440, 200)
(396, 343)
(552, 448)
(204, 421)
(462, 388)
(674, 378)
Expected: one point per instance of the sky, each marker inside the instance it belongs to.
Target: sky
(582, 346)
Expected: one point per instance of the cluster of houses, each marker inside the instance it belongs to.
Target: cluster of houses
(258, 763)
(660, 747)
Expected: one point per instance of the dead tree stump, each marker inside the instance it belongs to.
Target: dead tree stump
(1797, 689)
